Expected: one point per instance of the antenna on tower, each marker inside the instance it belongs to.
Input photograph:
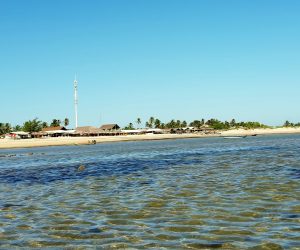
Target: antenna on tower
(76, 101)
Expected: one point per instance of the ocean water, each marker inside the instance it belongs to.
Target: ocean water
(175, 194)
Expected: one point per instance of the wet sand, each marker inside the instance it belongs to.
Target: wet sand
(64, 141)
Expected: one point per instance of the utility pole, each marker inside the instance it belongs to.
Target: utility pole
(76, 102)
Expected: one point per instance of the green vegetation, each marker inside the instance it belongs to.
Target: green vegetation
(291, 125)
(5, 128)
(44, 124)
(129, 126)
(66, 122)
(216, 124)
(55, 123)
(30, 126)
(17, 128)
(211, 123)
(138, 122)
(36, 125)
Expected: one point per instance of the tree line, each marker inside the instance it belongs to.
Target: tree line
(212, 123)
(34, 125)
(291, 124)
(37, 125)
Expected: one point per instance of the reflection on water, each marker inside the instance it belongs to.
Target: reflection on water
(178, 194)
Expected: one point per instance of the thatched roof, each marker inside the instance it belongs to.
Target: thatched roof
(87, 130)
(109, 127)
(38, 133)
(53, 128)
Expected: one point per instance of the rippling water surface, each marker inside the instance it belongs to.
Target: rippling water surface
(176, 194)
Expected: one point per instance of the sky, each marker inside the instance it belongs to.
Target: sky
(169, 59)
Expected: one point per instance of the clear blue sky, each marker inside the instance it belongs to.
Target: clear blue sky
(164, 58)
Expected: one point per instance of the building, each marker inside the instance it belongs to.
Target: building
(132, 131)
(18, 135)
(55, 131)
(110, 127)
(88, 131)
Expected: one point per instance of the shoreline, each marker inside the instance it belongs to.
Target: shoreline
(75, 141)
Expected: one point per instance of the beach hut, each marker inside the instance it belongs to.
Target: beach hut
(110, 127)
(38, 134)
(154, 131)
(18, 135)
(55, 131)
(132, 131)
(88, 131)
(47, 129)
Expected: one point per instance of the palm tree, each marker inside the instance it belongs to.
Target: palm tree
(157, 123)
(196, 123)
(66, 122)
(171, 124)
(227, 125)
(5, 128)
(54, 123)
(44, 125)
(147, 125)
(32, 126)
(17, 128)
(287, 124)
(138, 121)
(151, 121)
(233, 123)
(8, 127)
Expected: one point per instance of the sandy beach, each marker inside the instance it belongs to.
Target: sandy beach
(64, 141)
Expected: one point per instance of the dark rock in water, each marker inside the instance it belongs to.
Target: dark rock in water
(11, 205)
(8, 206)
(205, 246)
(295, 173)
(8, 155)
(292, 216)
(267, 246)
(81, 168)
(95, 230)
(30, 153)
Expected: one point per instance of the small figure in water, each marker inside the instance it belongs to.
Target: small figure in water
(81, 168)
(92, 142)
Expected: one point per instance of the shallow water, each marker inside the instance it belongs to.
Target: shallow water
(176, 194)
